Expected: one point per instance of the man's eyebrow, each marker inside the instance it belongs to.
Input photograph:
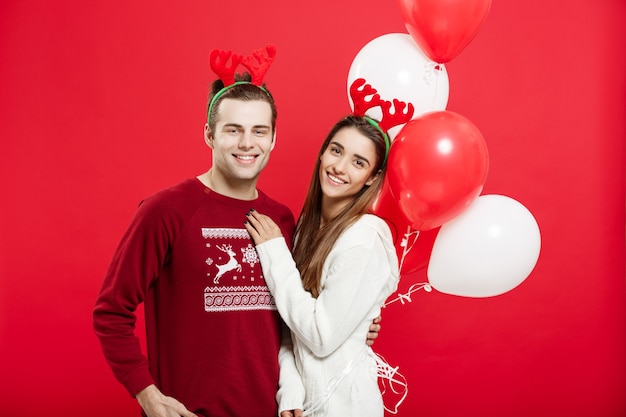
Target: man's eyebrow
(240, 126)
(232, 125)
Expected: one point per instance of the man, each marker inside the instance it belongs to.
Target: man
(213, 331)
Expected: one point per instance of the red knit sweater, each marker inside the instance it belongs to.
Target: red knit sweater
(212, 327)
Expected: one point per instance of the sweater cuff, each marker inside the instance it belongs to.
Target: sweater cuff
(137, 380)
(277, 243)
(290, 402)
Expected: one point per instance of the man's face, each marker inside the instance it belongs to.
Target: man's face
(242, 141)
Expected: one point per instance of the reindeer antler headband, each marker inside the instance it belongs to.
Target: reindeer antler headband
(219, 64)
(389, 120)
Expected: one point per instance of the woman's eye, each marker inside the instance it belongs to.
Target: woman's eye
(361, 163)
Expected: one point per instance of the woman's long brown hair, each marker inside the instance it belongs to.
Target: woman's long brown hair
(312, 242)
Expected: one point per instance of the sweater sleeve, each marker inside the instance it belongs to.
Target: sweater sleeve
(136, 263)
(359, 269)
(290, 395)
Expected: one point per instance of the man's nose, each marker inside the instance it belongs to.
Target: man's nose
(245, 140)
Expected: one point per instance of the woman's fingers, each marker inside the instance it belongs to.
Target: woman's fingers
(261, 227)
(261, 222)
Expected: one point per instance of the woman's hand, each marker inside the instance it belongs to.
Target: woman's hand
(291, 413)
(261, 227)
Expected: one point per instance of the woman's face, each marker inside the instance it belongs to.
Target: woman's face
(347, 165)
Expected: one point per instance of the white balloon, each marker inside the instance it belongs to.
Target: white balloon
(489, 249)
(396, 67)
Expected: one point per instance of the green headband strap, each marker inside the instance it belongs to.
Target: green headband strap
(385, 136)
(225, 89)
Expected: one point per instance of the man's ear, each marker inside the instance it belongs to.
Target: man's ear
(208, 137)
(273, 141)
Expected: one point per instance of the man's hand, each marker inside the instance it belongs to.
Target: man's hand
(155, 404)
(373, 332)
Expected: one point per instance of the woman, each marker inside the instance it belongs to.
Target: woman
(343, 268)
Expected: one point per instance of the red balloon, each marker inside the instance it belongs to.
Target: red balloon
(387, 208)
(443, 28)
(412, 247)
(438, 165)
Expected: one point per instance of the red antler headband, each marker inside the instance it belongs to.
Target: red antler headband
(219, 64)
(389, 120)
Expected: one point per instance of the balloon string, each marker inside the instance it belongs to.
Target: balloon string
(409, 239)
(429, 71)
(406, 298)
(395, 378)
(434, 99)
(407, 243)
(316, 404)
(383, 371)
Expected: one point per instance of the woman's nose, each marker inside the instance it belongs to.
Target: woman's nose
(340, 165)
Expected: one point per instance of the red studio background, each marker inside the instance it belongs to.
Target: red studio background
(103, 103)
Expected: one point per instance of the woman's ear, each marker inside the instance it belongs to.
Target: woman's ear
(372, 179)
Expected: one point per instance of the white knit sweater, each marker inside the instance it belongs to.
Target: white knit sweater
(329, 332)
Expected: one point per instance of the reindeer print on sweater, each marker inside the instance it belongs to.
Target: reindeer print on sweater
(234, 273)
